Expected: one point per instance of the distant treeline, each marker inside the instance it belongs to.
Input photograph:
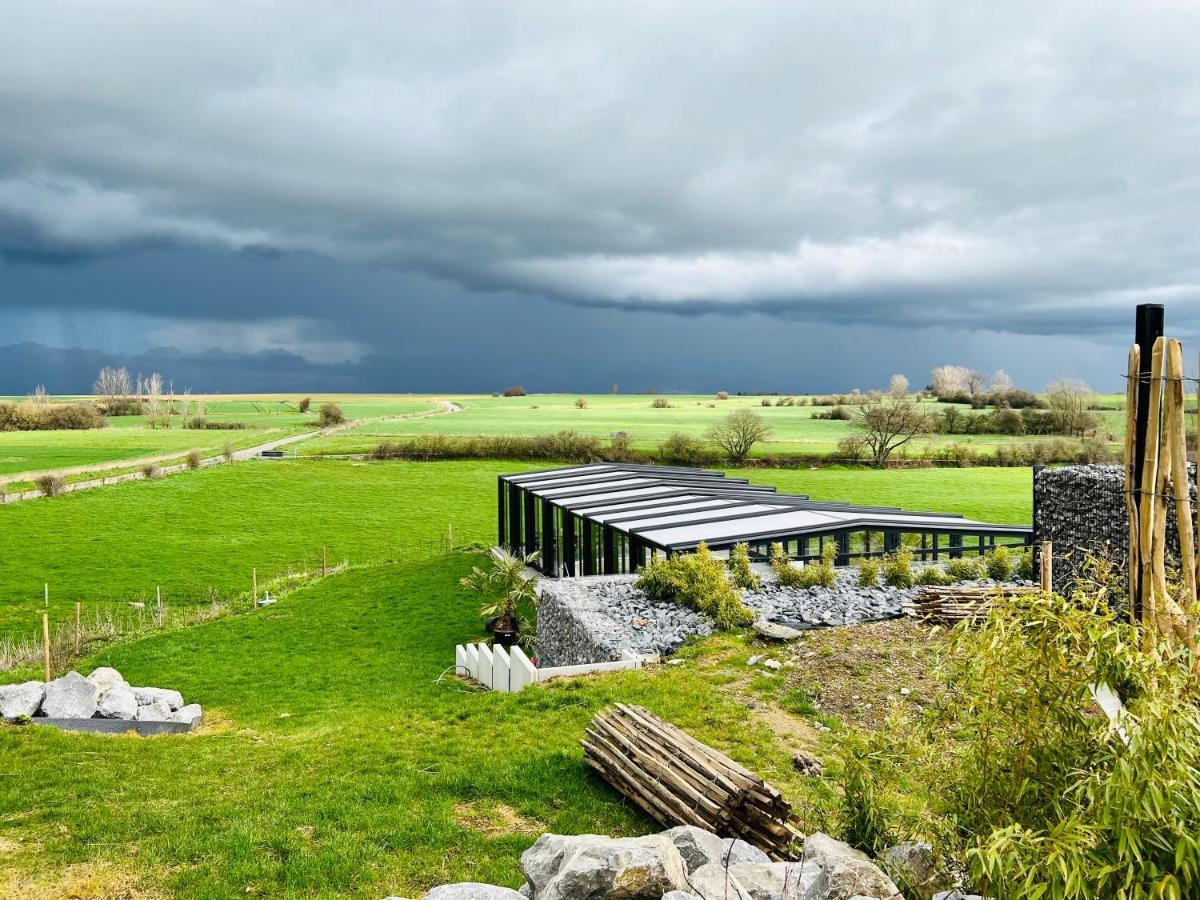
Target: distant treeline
(49, 417)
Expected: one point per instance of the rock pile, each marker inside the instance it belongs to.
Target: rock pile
(684, 863)
(588, 620)
(104, 694)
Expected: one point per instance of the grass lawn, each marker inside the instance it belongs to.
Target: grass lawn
(205, 530)
(332, 764)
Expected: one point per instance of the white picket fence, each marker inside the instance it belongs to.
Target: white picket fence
(511, 671)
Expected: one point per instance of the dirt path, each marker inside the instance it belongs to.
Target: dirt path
(446, 407)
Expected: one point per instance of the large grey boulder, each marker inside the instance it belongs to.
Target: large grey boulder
(106, 677)
(716, 882)
(736, 851)
(17, 700)
(154, 712)
(117, 702)
(845, 872)
(188, 715)
(472, 890)
(911, 865)
(147, 695)
(957, 895)
(774, 631)
(69, 697)
(777, 880)
(591, 867)
(697, 846)
(681, 895)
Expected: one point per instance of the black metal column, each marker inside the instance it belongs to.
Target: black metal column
(501, 519)
(514, 518)
(1148, 329)
(891, 541)
(549, 564)
(843, 549)
(568, 542)
(530, 532)
(589, 548)
(608, 550)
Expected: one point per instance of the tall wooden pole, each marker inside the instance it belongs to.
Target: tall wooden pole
(1176, 436)
(46, 642)
(1134, 568)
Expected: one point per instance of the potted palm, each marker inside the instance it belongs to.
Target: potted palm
(508, 588)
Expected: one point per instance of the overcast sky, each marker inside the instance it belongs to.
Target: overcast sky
(459, 196)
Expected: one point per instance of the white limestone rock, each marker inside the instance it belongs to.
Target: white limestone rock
(777, 880)
(17, 700)
(471, 890)
(845, 873)
(158, 711)
(106, 677)
(69, 697)
(147, 695)
(590, 867)
(697, 846)
(188, 715)
(716, 882)
(117, 702)
(911, 865)
(737, 852)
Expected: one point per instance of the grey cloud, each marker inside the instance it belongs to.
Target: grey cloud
(1028, 168)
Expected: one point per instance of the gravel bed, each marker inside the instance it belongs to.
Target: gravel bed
(583, 620)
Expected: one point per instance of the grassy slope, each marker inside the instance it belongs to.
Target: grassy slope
(794, 430)
(333, 762)
(207, 529)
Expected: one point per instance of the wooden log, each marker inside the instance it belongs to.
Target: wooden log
(1176, 434)
(1131, 507)
(1148, 507)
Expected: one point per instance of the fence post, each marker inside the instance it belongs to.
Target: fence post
(46, 642)
(1047, 560)
(324, 560)
(46, 593)
(1148, 329)
(254, 588)
(78, 628)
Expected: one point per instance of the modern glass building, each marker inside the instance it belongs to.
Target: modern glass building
(609, 518)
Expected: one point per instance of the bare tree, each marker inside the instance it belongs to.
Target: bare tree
(113, 385)
(898, 386)
(1068, 401)
(154, 392)
(738, 432)
(40, 396)
(888, 424)
(945, 381)
(975, 382)
(1002, 382)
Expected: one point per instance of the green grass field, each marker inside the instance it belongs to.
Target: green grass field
(794, 431)
(129, 437)
(206, 530)
(331, 762)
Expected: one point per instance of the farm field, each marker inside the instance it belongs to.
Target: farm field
(794, 430)
(202, 531)
(356, 774)
(130, 437)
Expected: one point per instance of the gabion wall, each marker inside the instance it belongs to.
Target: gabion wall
(1082, 510)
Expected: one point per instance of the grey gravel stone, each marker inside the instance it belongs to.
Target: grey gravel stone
(17, 700)
(773, 631)
(69, 697)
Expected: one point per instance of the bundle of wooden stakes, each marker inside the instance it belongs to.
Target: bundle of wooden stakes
(951, 604)
(677, 780)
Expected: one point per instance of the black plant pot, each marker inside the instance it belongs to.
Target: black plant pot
(501, 634)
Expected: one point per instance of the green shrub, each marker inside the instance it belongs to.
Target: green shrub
(811, 575)
(696, 580)
(515, 391)
(197, 423)
(660, 403)
(193, 459)
(1025, 565)
(330, 414)
(837, 414)
(581, 403)
(305, 404)
(964, 569)
(50, 485)
(932, 575)
(868, 572)
(681, 447)
(150, 471)
(740, 572)
(999, 564)
(897, 568)
(49, 417)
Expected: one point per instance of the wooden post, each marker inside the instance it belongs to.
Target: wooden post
(1176, 438)
(78, 628)
(46, 593)
(1134, 568)
(1047, 559)
(450, 537)
(1149, 525)
(46, 641)
(254, 587)
(158, 598)
(324, 560)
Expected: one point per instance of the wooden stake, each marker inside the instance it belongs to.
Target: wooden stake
(78, 628)
(1047, 566)
(46, 593)
(450, 538)
(158, 598)
(1134, 568)
(46, 641)
(324, 560)
(1148, 515)
(1176, 432)
(254, 586)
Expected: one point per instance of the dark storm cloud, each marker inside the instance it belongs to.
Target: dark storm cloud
(1025, 167)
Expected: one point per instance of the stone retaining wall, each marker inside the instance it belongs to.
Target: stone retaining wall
(1082, 510)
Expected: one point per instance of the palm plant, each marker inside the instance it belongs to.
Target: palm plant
(506, 587)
